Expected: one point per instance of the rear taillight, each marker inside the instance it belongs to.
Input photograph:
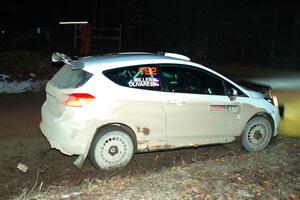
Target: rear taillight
(79, 99)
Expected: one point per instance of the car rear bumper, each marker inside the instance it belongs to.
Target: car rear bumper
(65, 135)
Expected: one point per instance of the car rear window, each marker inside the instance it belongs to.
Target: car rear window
(68, 78)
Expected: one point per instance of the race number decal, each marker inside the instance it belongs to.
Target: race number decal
(233, 108)
(148, 71)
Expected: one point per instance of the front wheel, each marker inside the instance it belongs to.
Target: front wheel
(112, 148)
(257, 134)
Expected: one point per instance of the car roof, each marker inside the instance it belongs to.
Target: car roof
(130, 58)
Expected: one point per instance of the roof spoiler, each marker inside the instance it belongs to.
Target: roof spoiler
(174, 55)
(60, 57)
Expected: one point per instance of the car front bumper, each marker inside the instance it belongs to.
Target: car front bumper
(276, 117)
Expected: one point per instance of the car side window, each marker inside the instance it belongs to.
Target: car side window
(186, 79)
(140, 76)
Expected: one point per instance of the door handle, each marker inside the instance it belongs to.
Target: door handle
(177, 101)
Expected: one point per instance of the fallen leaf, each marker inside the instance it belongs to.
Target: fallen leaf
(294, 197)
(205, 154)
(265, 184)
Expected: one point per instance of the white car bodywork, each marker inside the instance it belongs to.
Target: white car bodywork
(159, 120)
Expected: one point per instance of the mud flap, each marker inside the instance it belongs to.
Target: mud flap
(80, 161)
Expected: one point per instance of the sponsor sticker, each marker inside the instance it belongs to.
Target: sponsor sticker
(217, 107)
(225, 108)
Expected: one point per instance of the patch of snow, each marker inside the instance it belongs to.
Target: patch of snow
(4, 77)
(7, 85)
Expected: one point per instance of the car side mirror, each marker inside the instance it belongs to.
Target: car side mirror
(232, 93)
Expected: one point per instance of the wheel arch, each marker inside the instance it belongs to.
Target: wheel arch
(79, 162)
(268, 117)
(126, 128)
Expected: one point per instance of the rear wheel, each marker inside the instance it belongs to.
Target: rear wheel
(112, 148)
(257, 134)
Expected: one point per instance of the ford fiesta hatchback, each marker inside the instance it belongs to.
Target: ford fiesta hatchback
(111, 106)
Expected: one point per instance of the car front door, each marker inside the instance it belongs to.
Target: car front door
(197, 109)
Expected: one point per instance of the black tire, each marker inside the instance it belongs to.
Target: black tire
(257, 134)
(111, 148)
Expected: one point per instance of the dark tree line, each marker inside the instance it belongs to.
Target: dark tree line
(224, 31)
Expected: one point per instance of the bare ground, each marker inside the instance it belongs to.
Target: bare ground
(271, 174)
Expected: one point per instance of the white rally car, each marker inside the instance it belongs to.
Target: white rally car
(111, 106)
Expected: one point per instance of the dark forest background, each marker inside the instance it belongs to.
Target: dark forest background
(233, 31)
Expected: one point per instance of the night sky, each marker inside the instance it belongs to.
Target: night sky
(248, 30)
(48, 13)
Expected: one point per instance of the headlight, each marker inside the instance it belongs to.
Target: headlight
(272, 100)
(275, 101)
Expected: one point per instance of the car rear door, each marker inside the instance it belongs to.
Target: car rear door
(197, 109)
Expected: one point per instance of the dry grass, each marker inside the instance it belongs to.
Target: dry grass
(270, 174)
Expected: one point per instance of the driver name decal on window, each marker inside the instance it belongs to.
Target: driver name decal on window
(145, 77)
